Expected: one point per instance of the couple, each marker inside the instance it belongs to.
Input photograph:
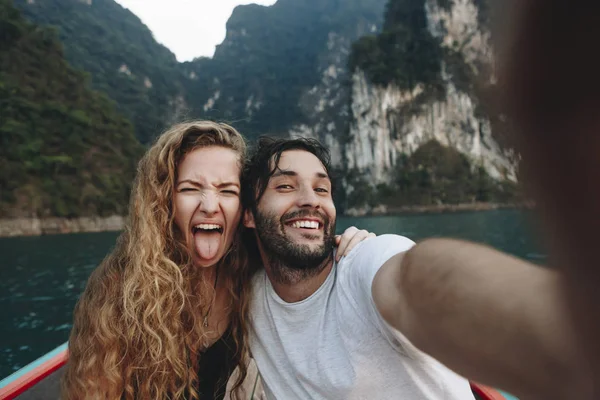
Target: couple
(183, 300)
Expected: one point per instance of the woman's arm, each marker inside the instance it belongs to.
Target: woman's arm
(350, 238)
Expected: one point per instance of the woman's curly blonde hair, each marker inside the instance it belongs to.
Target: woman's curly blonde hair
(136, 332)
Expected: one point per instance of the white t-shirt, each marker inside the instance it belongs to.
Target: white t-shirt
(335, 344)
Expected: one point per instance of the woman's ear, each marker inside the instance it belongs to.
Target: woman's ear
(249, 219)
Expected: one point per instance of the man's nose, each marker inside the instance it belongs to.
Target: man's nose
(307, 197)
(209, 203)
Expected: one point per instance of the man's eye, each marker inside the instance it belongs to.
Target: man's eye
(322, 190)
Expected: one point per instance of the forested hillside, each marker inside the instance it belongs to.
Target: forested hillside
(120, 55)
(65, 150)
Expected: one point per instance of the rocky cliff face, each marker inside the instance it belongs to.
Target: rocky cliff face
(282, 70)
(326, 103)
(387, 121)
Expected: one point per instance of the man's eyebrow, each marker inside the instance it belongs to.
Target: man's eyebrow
(285, 172)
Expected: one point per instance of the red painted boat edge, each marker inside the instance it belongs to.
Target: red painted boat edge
(486, 392)
(31, 378)
(37, 374)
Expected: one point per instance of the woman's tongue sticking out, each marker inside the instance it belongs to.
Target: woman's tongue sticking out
(207, 243)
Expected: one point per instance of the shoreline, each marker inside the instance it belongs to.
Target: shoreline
(383, 210)
(15, 227)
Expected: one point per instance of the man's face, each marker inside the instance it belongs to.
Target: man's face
(295, 218)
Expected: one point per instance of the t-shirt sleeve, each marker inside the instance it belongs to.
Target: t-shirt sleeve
(358, 270)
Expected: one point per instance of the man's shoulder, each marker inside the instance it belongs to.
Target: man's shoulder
(257, 282)
(369, 255)
(387, 243)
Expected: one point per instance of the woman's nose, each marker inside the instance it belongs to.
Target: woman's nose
(209, 203)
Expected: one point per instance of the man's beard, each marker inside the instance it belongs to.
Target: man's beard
(292, 262)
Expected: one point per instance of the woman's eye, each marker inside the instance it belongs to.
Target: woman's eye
(231, 192)
(187, 189)
(322, 190)
(284, 187)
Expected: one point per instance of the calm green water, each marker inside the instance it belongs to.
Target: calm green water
(42, 277)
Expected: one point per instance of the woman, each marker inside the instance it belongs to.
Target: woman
(164, 315)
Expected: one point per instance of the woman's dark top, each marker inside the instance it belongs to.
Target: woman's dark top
(216, 365)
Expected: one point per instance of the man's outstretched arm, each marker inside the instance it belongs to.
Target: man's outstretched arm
(488, 316)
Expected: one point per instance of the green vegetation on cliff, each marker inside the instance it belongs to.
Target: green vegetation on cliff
(120, 54)
(404, 53)
(64, 149)
(432, 175)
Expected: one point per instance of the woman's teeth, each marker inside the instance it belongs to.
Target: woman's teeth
(208, 227)
(305, 224)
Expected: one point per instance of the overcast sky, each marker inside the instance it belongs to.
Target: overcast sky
(189, 28)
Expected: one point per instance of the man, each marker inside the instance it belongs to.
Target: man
(319, 328)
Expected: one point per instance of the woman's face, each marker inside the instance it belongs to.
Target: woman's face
(207, 202)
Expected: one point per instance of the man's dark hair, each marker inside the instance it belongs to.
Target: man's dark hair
(259, 168)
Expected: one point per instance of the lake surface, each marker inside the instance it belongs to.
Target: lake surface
(42, 277)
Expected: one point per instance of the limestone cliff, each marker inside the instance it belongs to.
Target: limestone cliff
(282, 70)
(387, 121)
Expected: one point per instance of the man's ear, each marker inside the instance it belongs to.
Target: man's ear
(249, 219)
